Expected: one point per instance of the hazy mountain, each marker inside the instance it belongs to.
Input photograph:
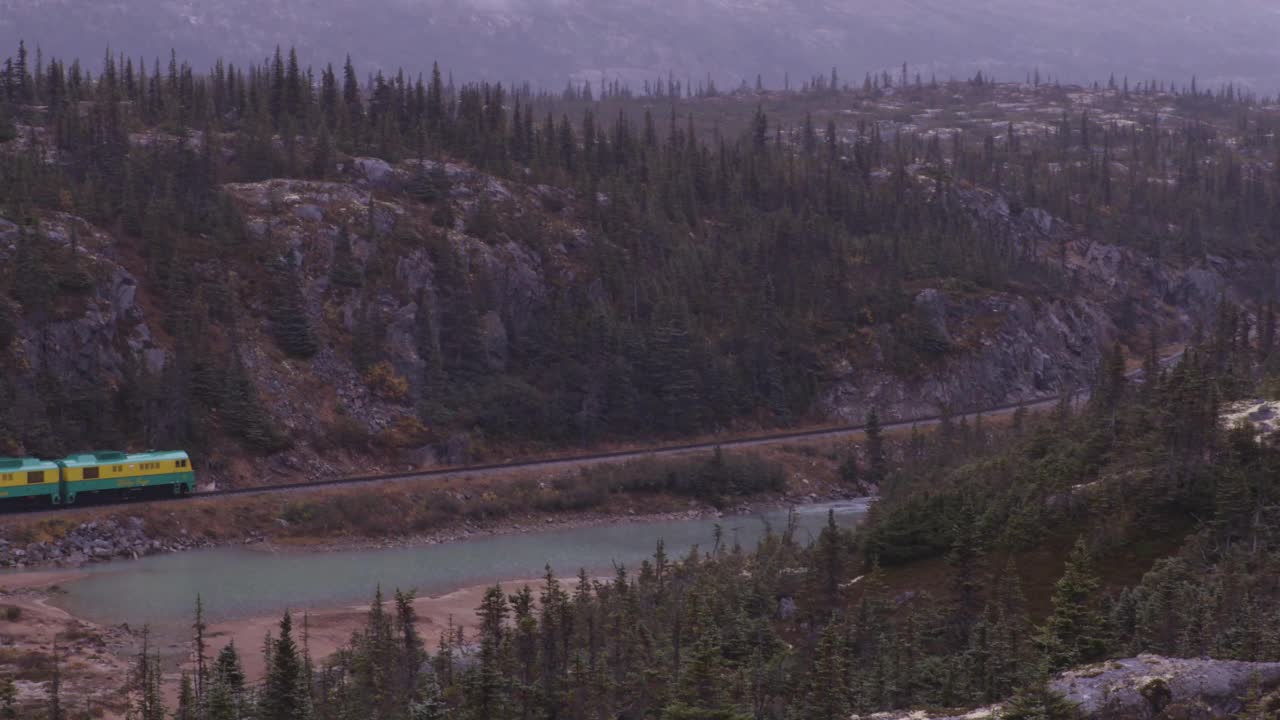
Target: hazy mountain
(549, 41)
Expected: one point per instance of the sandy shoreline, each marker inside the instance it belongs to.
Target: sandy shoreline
(99, 656)
(106, 649)
(329, 630)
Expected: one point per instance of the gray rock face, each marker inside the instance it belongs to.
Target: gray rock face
(1146, 688)
(8, 232)
(107, 333)
(932, 305)
(1008, 348)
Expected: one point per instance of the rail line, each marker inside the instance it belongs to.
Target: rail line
(560, 461)
(598, 458)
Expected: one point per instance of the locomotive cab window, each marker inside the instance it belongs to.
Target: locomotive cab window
(91, 473)
(35, 477)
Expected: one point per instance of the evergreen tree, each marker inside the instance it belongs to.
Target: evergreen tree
(284, 692)
(877, 457)
(188, 706)
(8, 698)
(826, 697)
(290, 323)
(344, 271)
(198, 628)
(226, 698)
(54, 709)
(1039, 702)
(1073, 633)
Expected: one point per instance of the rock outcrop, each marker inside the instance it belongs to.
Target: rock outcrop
(1147, 687)
(1001, 348)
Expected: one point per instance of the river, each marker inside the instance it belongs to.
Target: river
(239, 583)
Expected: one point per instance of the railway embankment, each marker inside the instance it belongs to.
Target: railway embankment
(434, 510)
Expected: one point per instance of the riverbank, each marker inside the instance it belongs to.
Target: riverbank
(328, 630)
(432, 510)
(94, 660)
(95, 615)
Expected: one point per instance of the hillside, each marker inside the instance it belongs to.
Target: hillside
(318, 279)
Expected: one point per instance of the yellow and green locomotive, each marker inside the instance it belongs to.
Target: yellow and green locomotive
(60, 482)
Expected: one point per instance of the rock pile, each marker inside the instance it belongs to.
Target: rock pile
(95, 541)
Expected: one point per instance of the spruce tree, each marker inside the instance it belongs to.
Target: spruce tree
(877, 457)
(1039, 702)
(1074, 632)
(54, 708)
(344, 272)
(8, 698)
(830, 561)
(198, 628)
(290, 322)
(188, 706)
(284, 692)
(826, 697)
(428, 703)
(226, 694)
(965, 559)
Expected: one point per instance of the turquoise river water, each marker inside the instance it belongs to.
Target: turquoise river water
(241, 582)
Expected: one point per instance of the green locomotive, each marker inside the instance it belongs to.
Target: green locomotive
(60, 482)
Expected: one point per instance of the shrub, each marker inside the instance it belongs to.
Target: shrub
(443, 216)
(404, 432)
(12, 613)
(386, 383)
(710, 479)
(483, 222)
(347, 433)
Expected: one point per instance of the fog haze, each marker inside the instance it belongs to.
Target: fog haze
(551, 41)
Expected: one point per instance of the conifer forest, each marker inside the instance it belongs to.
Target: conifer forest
(299, 271)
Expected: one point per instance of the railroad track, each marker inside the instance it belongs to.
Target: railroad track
(589, 459)
(566, 462)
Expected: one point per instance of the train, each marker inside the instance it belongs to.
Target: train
(62, 482)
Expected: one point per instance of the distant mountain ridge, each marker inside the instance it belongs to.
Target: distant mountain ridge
(549, 42)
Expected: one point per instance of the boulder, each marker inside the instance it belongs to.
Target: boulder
(8, 232)
(932, 306)
(374, 171)
(308, 213)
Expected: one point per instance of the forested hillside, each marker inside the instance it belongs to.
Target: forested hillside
(1135, 523)
(329, 271)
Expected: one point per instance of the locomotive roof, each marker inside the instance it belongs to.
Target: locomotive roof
(116, 458)
(12, 464)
